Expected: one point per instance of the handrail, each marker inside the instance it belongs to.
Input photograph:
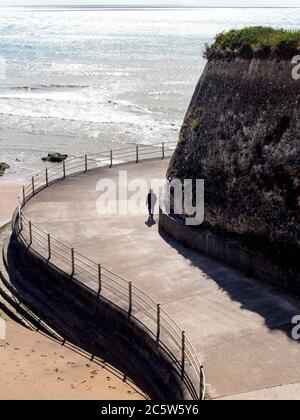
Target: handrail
(158, 322)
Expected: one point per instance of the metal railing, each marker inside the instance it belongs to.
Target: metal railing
(136, 303)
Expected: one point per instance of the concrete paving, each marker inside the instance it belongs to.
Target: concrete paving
(285, 392)
(240, 327)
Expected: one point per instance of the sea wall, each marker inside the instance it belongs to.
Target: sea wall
(241, 134)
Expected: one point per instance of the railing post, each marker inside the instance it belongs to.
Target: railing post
(99, 279)
(47, 177)
(64, 169)
(163, 150)
(30, 233)
(19, 206)
(49, 247)
(73, 261)
(201, 383)
(21, 223)
(137, 154)
(183, 355)
(19, 214)
(33, 186)
(85, 164)
(158, 323)
(130, 299)
(111, 158)
(24, 196)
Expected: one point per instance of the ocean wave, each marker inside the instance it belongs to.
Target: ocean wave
(82, 120)
(150, 125)
(46, 86)
(75, 100)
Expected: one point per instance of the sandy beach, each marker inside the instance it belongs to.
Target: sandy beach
(9, 192)
(32, 366)
(28, 357)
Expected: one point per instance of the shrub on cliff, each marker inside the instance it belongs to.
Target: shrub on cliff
(3, 167)
(255, 41)
(181, 139)
(194, 125)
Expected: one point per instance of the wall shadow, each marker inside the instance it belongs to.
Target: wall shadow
(274, 305)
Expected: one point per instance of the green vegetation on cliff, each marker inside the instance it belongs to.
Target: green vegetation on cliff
(257, 41)
(194, 125)
(181, 139)
(3, 167)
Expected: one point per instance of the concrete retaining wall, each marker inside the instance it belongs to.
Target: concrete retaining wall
(228, 251)
(147, 358)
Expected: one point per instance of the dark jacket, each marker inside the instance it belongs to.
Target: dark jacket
(151, 200)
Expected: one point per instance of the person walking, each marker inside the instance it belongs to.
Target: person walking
(151, 203)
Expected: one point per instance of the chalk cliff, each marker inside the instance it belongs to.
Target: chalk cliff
(241, 134)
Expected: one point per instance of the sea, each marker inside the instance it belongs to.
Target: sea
(77, 80)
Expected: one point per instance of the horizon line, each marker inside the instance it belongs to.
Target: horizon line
(141, 6)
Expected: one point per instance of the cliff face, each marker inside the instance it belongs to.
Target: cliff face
(242, 135)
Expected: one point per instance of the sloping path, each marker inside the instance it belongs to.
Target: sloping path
(240, 327)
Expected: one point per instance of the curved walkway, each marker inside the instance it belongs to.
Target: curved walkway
(240, 327)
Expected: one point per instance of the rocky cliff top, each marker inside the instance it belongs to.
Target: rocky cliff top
(242, 135)
(260, 42)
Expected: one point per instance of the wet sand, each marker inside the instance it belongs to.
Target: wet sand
(32, 366)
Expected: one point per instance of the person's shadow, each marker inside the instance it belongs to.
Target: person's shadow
(150, 222)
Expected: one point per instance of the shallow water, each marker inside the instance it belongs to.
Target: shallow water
(78, 80)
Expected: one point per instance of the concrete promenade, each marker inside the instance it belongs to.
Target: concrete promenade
(240, 327)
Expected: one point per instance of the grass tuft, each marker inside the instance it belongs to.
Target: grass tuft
(181, 139)
(257, 41)
(195, 125)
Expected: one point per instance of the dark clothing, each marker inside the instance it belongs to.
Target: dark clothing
(151, 203)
